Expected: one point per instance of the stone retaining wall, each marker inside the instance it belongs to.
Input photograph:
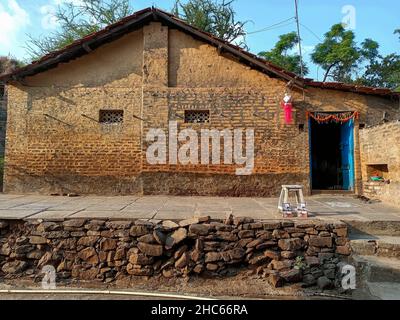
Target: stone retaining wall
(283, 251)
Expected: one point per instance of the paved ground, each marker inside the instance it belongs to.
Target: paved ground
(385, 290)
(168, 207)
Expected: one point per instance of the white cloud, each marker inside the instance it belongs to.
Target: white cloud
(49, 20)
(12, 20)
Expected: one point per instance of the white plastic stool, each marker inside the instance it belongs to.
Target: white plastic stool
(286, 208)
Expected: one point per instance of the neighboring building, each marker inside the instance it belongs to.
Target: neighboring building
(78, 118)
(3, 119)
(380, 150)
(3, 124)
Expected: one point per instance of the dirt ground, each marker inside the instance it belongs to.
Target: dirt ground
(241, 286)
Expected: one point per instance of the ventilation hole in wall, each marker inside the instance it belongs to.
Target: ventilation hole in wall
(195, 116)
(362, 125)
(301, 127)
(375, 171)
(111, 116)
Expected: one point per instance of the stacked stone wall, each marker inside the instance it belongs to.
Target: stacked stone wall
(284, 251)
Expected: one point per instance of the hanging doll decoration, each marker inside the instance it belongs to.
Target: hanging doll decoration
(287, 107)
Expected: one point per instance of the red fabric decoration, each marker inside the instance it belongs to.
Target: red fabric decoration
(288, 109)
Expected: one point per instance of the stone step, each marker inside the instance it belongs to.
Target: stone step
(372, 269)
(375, 245)
(376, 228)
(377, 278)
(384, 290)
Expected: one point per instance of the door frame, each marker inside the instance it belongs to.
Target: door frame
(352, 157)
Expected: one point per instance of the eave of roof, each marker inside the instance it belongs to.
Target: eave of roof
(351, 88)
(133, 22)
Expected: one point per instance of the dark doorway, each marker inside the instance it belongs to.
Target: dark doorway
(332, 155)
(326, 159)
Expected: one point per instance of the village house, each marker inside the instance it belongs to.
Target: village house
(79, 118)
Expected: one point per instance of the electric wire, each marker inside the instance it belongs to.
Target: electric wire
(311, 31)
(274, 26)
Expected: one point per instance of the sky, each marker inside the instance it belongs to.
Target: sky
(367, 18)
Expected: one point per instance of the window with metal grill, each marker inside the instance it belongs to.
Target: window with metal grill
(111, 116)
(195, 116)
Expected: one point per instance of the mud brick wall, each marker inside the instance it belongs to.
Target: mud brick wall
(56, 145)
(3, 124)
(380, 146)
(282, 251)
(55, 142)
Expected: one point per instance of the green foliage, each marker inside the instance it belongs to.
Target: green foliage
(383, 72)
(338, 54)
(282, 54)
(300, 263)
(343, 60)
(369, 50)
(397, 32)
(77, 20)
(213, 16)
(380, 71)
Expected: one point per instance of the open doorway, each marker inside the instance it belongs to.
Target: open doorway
(332, 155)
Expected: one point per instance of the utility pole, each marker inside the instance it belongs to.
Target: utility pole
(298, 35)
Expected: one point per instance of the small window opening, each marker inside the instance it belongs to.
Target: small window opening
(195, 116)
(378, 172)
(111, 116)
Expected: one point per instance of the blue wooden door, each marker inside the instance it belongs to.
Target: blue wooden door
(347, 152)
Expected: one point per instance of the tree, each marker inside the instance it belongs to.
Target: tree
(397, 32)
(76, 20)
(380, 71)
(282, 54)
(8, 64)
(338, 54)
(369, 50)
(383, 72)
(213, 16)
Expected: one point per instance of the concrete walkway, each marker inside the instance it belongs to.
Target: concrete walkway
(169, 207)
